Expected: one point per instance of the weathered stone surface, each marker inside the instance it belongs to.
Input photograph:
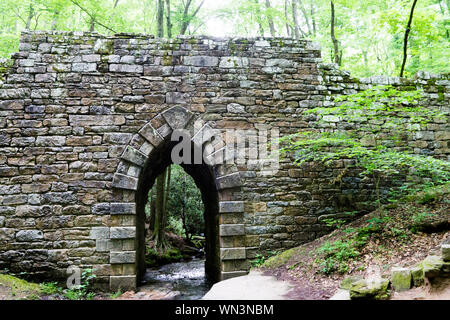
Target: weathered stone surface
(7, 234)
(369, 289)
(177, 117)
(99, 233)
(401, 278)
(418, 276)
(50, 141)
(125, 182)
(177, 98)
(229, 181)
(235, 108)
(232, 253)
(151, 135)
(201, 61)
(123, 208)
(122, 257)
(82, 112)
(432, 266)
(122, 283)
(233, 62)
(134, 156)
(445, 251)
(227, 230)
(123, 232)
(231, 206)
(29, 235)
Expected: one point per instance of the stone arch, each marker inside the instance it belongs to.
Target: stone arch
(143, 159)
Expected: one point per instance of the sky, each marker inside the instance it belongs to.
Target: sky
(215, 26)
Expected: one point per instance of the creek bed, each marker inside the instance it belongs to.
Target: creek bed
(181, 280)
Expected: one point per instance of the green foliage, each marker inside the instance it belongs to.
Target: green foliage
(337, 255)
(50, 288)
(370, 32)
(383, 103)
(339, 222)
(116, 294)
(260, 259)
(82, 291)
(397, 111)
(280, 259)
(185, 206)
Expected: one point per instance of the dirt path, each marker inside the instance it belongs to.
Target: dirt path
(254, 286)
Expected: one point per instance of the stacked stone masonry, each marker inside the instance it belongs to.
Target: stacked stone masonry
(81, 114)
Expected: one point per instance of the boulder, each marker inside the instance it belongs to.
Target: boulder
(417, 275)
(432, 266)
(376, 288)
(445, 250)
(348, 281)
(401, 278)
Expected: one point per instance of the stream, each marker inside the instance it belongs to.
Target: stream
(178, 281)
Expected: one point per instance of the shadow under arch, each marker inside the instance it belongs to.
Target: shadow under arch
(146, 155)
(204, 178)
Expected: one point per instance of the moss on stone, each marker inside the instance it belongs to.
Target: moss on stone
(364, 289)
(280, 259)
(348, 282)
(19, 288)
(167, 59)
(417, 276)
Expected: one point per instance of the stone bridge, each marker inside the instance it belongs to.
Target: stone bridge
(85, 128)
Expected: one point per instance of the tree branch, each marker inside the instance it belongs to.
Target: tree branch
(92, 17)
(405, 43)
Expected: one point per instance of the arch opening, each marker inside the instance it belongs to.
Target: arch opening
(204, 178)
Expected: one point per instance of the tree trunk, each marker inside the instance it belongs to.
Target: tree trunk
(30, 17)
(167, 192)
(336, 55)
(54, 20)
(405, 43)
(270, 19)
(305, 14)
(168, 19)
(152, 209)
(258, 13)
(160, 14)
(183, 210)
(159, 225)
(286, 15)
(92, 27)
(313, 19)
(297, 29)
(187, 18)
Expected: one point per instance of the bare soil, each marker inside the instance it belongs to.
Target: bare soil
(382, 251)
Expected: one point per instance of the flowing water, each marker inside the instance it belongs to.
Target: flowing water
(181, 280)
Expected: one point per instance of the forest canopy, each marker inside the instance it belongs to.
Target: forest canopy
(364, 37)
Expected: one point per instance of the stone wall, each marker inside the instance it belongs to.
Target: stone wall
(83, 121)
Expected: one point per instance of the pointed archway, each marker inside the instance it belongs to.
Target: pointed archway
(145, 157)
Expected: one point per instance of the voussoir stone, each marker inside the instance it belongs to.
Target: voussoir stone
(177, 117)
(135, 156)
